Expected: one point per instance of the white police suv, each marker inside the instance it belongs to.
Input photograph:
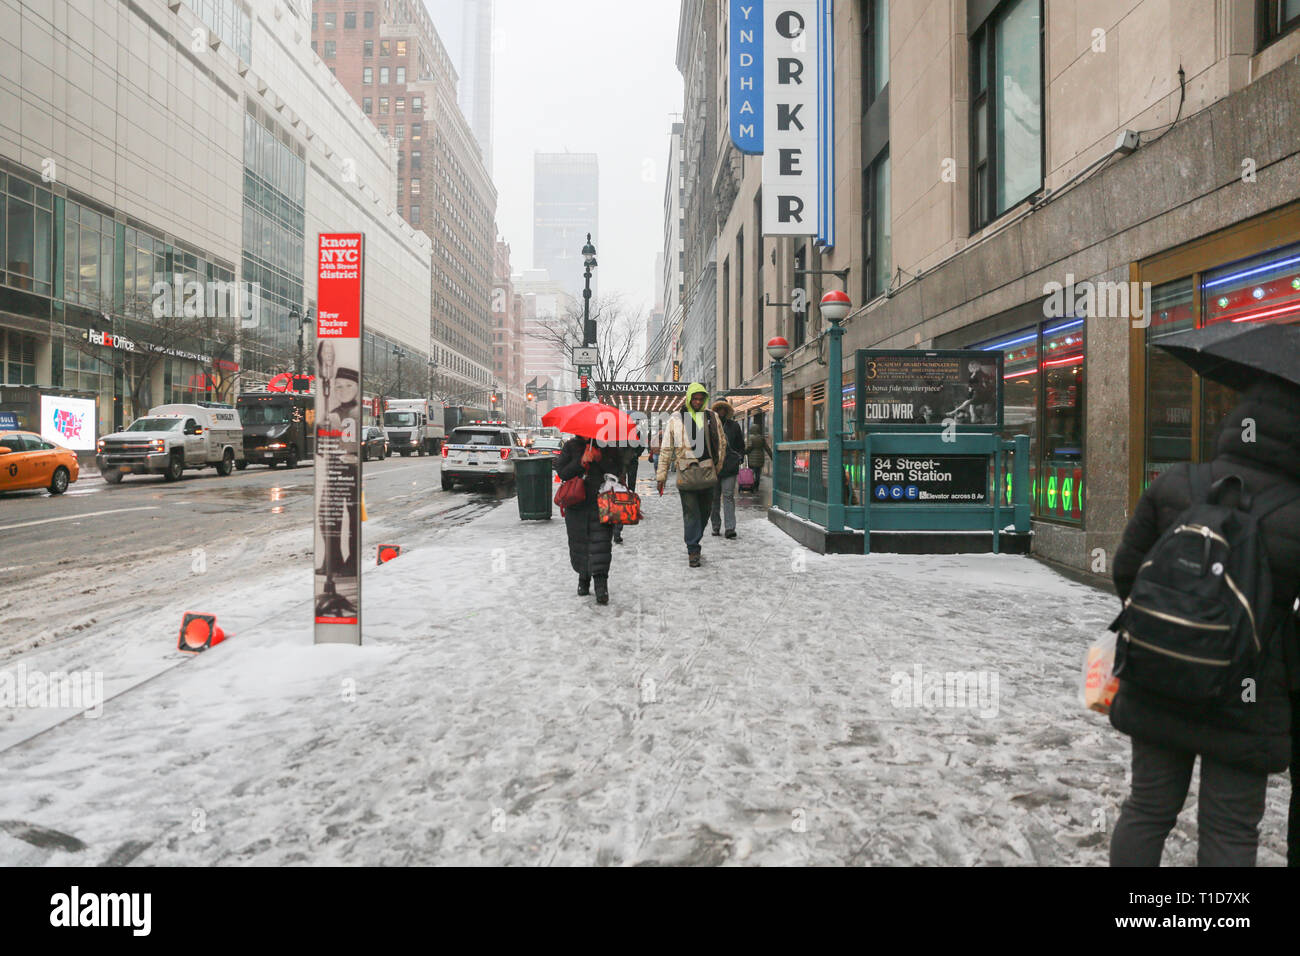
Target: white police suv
(481, 453)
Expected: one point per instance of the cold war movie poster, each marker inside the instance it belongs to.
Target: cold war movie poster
(916, 387)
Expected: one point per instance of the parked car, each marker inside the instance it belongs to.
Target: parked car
(29, 461)
(374, 444)
(543, 445)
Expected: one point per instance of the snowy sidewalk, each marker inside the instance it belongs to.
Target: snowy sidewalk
(759, 709)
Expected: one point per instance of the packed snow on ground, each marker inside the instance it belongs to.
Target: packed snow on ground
(758, 709)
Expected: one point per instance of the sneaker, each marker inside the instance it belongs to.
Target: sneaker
(716, 532)
(694, 560)
(731, 534)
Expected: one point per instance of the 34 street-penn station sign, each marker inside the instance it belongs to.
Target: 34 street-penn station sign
(782, 107)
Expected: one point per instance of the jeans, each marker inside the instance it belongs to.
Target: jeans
(1293, 819)
(696, 506)
(1230, 807)
(724, 504)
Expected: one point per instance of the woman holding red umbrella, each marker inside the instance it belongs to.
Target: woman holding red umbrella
(590, 541)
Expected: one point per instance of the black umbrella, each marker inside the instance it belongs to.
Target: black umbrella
(1239, 354)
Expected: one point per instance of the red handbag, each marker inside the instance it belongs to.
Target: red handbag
(572, 491)
(619, 507)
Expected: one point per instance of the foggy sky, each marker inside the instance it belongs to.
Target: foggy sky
(596, 76)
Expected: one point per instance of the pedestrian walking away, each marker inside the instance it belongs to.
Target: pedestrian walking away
(590, 541)
(723, 514)
(694, 442)
(631, 459)
(755, 448)
(1243, 733)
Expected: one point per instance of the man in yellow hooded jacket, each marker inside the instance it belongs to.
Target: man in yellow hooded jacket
(693, 435)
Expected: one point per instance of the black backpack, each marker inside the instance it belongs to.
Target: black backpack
(1197, 620)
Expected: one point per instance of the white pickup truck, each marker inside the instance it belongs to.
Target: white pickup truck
(172, 438)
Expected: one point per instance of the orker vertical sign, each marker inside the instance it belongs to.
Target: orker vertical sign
(791, 164)
(339, 321)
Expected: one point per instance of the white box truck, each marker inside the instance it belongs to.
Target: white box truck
(414, 426)
(172, 438)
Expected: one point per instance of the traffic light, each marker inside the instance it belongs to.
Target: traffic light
(532, 396)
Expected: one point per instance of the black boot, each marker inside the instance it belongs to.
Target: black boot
(602, 589)
(584, 586)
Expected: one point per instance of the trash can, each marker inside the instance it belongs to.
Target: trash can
(533, 487)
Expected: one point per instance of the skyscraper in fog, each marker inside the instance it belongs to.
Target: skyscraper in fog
(466, 28)
(566, 202)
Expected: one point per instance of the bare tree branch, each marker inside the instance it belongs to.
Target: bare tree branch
(618, 329)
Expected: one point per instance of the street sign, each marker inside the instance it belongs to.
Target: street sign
(585, 356)
(929, 479)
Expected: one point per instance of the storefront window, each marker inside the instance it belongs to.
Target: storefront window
(1019, 394)
(19, 353)
(1265, 288)
(1043, 398)
(1169, 381)
(87, 257)
(187, 382)
(27, 255)
(1060, 493)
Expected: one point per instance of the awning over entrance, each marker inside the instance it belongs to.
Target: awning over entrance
(747, 400)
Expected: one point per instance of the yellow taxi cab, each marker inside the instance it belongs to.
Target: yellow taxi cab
(29, 461)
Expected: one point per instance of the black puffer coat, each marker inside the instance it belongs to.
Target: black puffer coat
(590, 542)
(1252, 735)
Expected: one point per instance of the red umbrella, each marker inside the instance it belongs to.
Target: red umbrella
(605, 423)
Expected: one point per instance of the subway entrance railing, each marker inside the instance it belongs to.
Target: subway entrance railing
(996, 472)
(929, 457)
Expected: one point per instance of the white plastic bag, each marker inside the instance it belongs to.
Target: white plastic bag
(1099, 686)
(611, 483)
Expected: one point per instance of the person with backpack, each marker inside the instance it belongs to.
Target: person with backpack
(724, 495)
(693, 442)
(1206, 652)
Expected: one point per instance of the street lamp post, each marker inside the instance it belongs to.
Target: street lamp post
(588, 331)
(301, 321)
(399, 352)
(778, 348)
(835, 307)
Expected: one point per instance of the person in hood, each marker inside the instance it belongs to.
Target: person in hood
(724, 497)
(1240, 742)
(692, 436)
